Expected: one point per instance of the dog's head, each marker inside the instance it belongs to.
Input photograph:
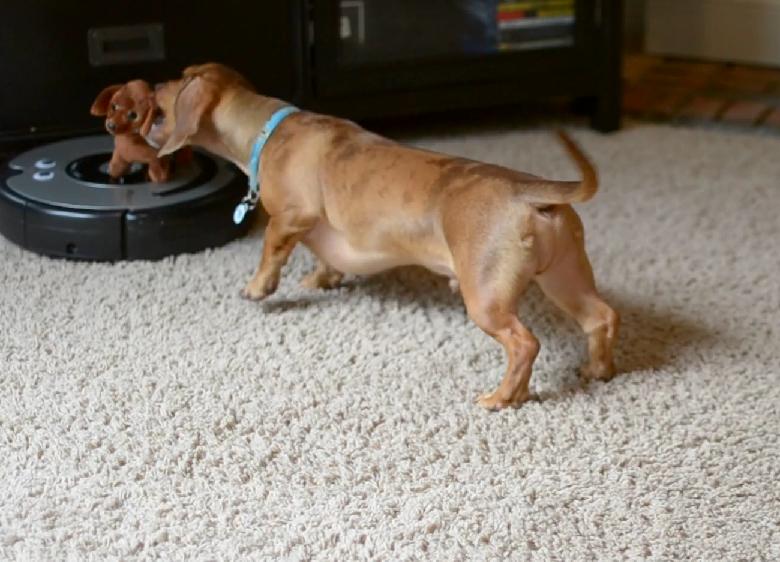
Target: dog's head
(185, 104)
(129, 108)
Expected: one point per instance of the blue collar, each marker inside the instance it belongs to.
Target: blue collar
(253, 194)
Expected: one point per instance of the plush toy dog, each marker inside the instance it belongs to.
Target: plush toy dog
(130, 111)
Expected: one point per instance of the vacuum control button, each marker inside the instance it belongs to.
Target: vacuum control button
(45, 164)
(43, 175)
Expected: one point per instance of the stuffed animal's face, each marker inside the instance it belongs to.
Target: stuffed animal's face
(129, 108)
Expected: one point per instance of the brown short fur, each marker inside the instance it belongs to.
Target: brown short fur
(363, 204)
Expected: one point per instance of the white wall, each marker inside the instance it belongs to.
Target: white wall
(726, 30)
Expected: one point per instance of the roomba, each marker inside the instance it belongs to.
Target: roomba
(59, 200)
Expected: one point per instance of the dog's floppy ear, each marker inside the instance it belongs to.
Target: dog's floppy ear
(217, 72)
(100, 105)
(194, 70)
(151, 112)
(194, 99)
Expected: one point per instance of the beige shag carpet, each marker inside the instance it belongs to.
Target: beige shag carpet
(147, 412)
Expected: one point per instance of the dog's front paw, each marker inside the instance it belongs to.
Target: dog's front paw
(258, 289)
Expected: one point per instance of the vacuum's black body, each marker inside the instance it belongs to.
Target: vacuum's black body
(58, 200)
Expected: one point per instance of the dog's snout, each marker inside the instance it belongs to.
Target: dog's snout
(111, 126)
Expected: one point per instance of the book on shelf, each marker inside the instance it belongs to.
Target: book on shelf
(535, 24)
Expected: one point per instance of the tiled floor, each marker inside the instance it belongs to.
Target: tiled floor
(692, 91)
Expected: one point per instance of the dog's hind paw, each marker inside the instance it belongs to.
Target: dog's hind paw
(257, 290)
(247, 295)
(494, 403)
(322, 279)
(597, 371)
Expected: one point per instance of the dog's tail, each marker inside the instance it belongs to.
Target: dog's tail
(544, 192)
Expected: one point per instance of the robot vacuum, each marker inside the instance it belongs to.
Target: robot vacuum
(58, 200)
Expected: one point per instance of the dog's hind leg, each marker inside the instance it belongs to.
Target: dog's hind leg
(492, 296)
(569, 283)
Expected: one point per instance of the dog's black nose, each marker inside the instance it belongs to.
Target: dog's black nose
(111, 126)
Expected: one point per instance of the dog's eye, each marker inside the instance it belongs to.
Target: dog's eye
(114, 107)
(132, 115)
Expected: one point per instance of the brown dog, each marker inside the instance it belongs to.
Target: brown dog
(130, 110)
(364, 204)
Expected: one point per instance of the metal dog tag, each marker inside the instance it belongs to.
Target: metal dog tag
(240, 212)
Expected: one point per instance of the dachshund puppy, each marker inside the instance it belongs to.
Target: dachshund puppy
(130, 110)
(363, 204)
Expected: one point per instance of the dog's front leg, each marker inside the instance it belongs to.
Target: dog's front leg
(117, 166)
(283, 232)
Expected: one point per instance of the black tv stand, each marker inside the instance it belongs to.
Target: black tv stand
(363, 59)
(380, 84)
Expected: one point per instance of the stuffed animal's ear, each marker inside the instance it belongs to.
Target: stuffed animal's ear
(194, 99)
(100, 105)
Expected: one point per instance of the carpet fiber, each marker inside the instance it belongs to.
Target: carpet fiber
(146, 411)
